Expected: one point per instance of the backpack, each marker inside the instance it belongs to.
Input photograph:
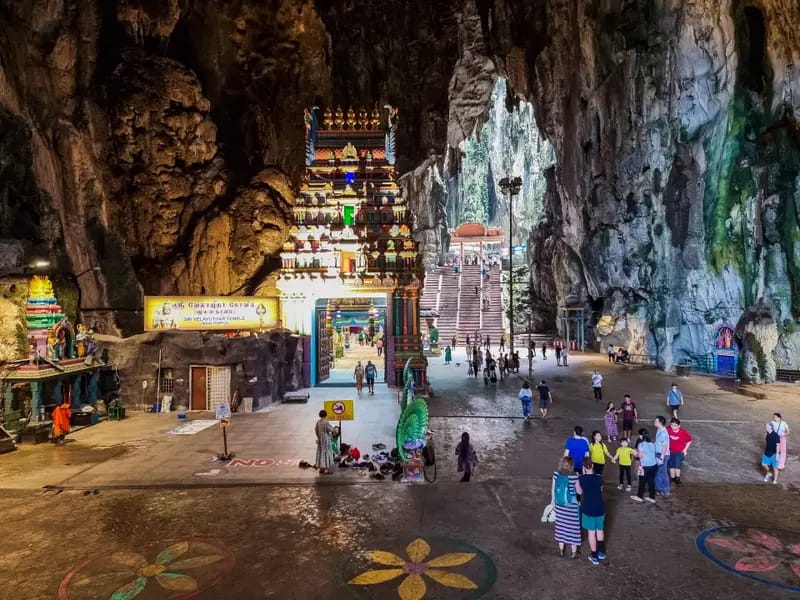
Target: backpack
(564, 494)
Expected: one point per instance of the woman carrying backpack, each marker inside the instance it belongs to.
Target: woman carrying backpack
(563, 497)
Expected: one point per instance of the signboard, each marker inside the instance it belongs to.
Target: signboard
(223, 411)
(224, 422)
(340, 410)
(200, 313)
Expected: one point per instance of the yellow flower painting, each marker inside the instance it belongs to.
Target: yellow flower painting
(412, 569)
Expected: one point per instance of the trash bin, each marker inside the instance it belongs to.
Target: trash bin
(248, 404)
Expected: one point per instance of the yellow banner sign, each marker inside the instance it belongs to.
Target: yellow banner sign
(340, 410)
(200, 313)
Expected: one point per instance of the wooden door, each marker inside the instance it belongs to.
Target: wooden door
(199, 400)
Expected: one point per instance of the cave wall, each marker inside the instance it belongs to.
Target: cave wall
(160, 141)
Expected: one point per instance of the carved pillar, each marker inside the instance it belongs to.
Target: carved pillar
(36, 400)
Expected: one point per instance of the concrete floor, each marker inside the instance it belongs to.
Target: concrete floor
(272, 530)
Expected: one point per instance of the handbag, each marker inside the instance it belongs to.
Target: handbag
(549, 514)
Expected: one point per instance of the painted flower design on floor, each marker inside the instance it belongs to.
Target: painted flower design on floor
(177, 570)
(772, 558)
(412, 569)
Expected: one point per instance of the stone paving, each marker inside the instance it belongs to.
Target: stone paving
(134, 512)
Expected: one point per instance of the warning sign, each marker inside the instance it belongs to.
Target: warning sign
(340, 410)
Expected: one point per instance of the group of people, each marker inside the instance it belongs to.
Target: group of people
(618, 354)
(576, 492)
(502, 366)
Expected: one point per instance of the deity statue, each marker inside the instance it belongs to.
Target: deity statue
(80, 341)
(375, 118)
(327, 118)
(52, 344)
(351, 118)
(40, 287)
(338, 118)
(363, 118)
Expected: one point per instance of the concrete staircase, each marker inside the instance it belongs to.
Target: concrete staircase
(453, 296)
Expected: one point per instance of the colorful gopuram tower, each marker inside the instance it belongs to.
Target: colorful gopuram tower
(351, 238)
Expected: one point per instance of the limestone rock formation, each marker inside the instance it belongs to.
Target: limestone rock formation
(759, 334)
(160, 141)
(261, 367)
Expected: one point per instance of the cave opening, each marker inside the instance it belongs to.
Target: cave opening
(754, 75)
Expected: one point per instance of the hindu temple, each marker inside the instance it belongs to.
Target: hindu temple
(350, 265)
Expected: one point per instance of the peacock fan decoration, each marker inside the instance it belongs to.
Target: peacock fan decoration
(412, 427)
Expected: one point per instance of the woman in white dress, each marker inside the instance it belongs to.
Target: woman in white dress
(780, 427)
(324, 432)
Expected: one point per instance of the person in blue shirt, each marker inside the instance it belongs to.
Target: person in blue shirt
(674, 399)
(662, 455)
(646, 453)
(577, 447)
(770, 457)
(593, 510)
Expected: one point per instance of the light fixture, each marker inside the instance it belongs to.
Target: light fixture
(40, 263)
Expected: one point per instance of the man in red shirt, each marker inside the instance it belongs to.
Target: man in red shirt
(679, 442)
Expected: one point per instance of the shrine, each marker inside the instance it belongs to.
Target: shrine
(350, 265)
(62, 364)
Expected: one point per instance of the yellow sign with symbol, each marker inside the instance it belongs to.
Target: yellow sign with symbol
(340, 410)
(224, 423)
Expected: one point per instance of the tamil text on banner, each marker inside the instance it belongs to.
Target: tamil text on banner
(200, 313)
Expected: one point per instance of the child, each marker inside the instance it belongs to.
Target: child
(593, 510)
(598, 452)
(611, 422)
(770, 457)
(624, 455)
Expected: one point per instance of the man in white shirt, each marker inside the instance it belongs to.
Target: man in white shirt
(597, 386)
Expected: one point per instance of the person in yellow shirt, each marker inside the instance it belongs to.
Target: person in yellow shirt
(624, 456)
(598, 452)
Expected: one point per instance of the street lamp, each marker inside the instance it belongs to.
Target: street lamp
(511, 187)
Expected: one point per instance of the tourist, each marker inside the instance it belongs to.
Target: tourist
(593, 510)
(448, 355)
(564, 356)
(544, 350)
(526, 396)
(598, 452)
(467, 458)
(468, 345)
(358, 374)
(60, 416)
(532, 347)
(630, 415)
(563, 497)
(476, 291)
(476, 361)
(379, 346)
(501, 365)
(781, 427)
(545, 399)
(577, 447)
(611, 422)
(769, 460)
(597, 385)
(679, 442)
(453, 341)
(488, 342)
(674, 399)
(611, 353)
(557, 348)
(370, 372)
(624, 455)
(646, 453)
(662, 455)
(502, 342)
(324, 432)
(515, 363)
(361, 338)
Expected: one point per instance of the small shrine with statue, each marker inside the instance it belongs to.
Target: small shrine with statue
(351, 237)
(61, 364)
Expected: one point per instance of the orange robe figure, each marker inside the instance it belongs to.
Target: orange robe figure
(60, 416)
